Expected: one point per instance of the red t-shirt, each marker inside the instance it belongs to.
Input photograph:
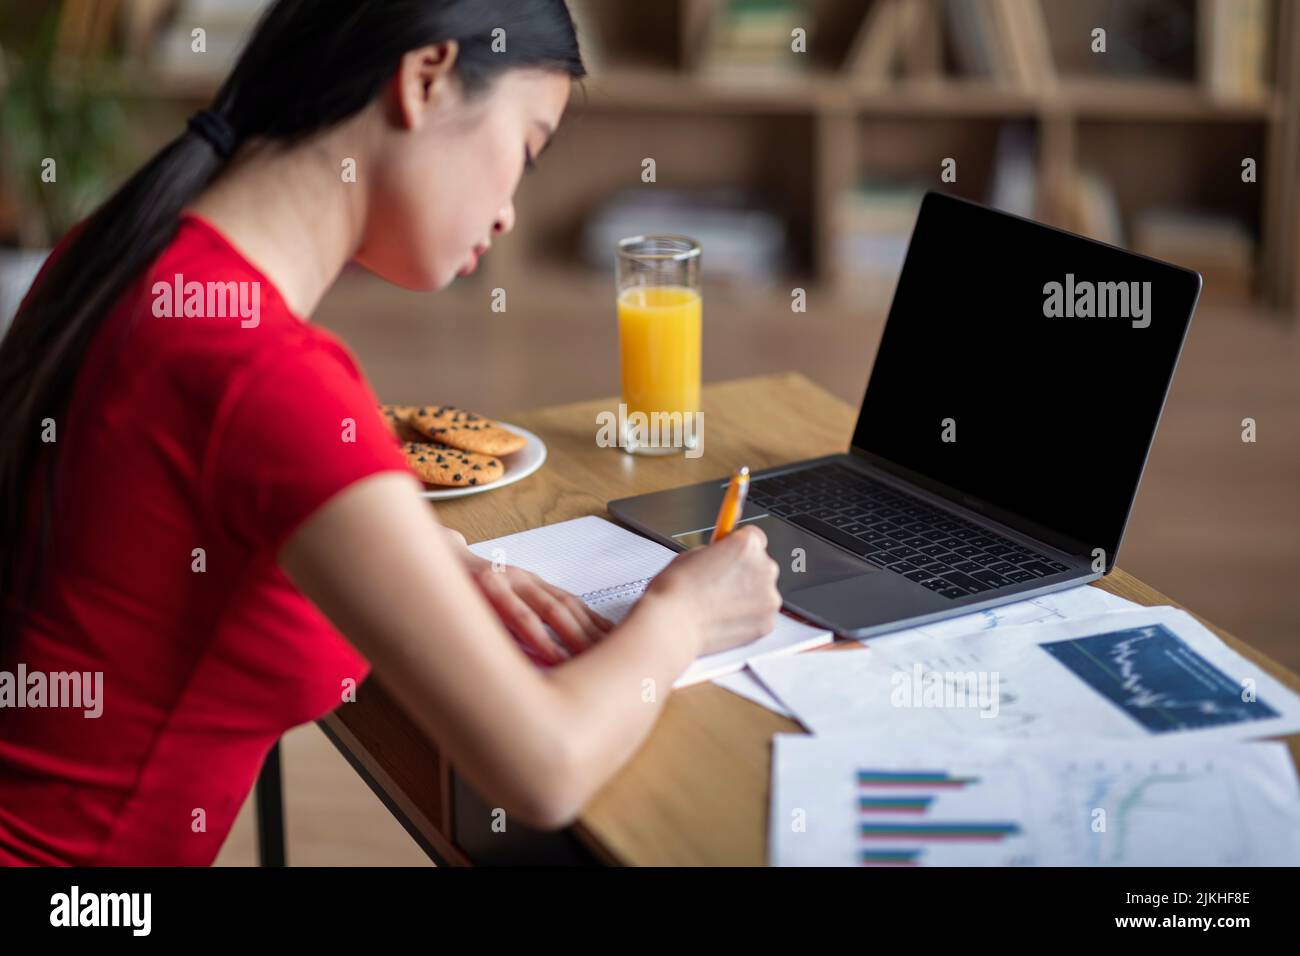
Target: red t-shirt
(183, 433)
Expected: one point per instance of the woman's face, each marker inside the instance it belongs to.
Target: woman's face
(447, 167)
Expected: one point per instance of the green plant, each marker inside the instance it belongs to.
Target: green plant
(53, 109)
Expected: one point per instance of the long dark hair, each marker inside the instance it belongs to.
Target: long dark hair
(309, 65)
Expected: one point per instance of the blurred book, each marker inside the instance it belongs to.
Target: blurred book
(1092, 208)
(1221, 248)
(753, 40)
(141, 22)
(741, 240)
(85, 27)
(227, 24)
(873, 226)
(1233, 42)
(897, 37)
(1024, 27)
(975, 46)
(1015, 171)
(1005, 41)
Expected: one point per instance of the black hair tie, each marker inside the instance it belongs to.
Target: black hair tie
(216, 130)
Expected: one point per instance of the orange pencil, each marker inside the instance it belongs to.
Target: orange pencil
(733, 503)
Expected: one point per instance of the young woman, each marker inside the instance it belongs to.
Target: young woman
(185, 508)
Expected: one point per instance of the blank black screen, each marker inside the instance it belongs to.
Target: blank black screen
(1053, 416)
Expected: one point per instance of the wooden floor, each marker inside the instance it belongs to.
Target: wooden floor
(1216, 524)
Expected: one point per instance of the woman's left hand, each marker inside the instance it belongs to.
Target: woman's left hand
(527, 605)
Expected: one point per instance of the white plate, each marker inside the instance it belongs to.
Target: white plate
(519, 464)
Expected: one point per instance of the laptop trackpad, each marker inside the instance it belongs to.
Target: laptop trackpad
(804, 559)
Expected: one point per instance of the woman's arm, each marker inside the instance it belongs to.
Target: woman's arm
(538, 742)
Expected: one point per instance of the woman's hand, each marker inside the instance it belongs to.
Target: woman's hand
(527, 605)
(729, 587)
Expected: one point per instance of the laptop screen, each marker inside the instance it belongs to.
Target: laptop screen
(1022, 371)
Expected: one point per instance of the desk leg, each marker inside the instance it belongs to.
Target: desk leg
(270, 811)
(439, 857)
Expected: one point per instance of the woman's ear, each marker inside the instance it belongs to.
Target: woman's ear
(423, 81)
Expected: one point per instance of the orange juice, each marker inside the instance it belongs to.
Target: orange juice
(659, 333)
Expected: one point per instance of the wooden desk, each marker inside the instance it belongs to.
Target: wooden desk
(697, 792)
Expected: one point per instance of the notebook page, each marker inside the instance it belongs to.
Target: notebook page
(582, 556)
(610, 567)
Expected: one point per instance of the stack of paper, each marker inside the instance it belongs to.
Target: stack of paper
(1112, 738)
(1076, 602)
(1122, 674)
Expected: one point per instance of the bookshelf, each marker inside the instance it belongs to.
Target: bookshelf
(883, 101)
(885, 90)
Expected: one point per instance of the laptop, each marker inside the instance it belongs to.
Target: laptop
(999, 446)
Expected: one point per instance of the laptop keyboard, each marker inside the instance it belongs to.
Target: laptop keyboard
(890, 528)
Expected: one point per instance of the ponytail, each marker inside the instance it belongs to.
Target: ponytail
(309, 65)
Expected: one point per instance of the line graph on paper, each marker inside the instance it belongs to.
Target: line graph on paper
(1157, 679)
(1009, 713)
(1151, 814)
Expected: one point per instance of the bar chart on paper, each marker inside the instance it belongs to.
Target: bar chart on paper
(859, 799)
(836, 803)
(928, 817)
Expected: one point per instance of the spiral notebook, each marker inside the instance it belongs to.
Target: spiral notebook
(609, 567)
